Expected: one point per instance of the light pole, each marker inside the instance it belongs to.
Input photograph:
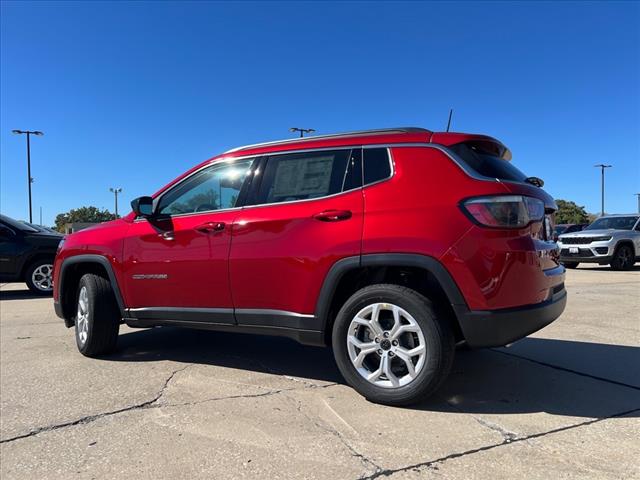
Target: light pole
(301, 130)
(602, 167)
(29, 178)
(638, 195)
(116, 191)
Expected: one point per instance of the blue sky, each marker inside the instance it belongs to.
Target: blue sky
(133, 94)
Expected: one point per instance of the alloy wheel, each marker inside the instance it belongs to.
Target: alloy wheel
(386, 345)
(42, 277)
(82, 317)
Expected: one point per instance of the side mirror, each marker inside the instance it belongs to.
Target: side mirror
(142, 206)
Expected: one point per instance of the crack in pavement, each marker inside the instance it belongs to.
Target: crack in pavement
(507, 435)
(564, 369)
(432, 464)
(153, 404)
(92, 418)
(367, 462)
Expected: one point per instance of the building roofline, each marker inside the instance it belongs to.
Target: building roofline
(381, 131)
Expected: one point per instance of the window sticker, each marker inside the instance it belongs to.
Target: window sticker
(300, 177)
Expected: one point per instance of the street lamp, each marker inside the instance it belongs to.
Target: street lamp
(602, 167)
(638, 195)
(116, 191)
(301, 130)
(29, 178)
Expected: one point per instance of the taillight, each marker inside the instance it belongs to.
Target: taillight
(504, 211)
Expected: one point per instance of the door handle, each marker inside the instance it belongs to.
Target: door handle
(333, 215)
(166, 236)
(211, 227)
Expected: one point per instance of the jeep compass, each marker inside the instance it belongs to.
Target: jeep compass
(391, 246)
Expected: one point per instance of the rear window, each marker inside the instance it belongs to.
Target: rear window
(486, 164)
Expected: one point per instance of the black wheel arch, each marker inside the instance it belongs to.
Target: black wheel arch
(341, 269)
(71, 271)
(31, 259)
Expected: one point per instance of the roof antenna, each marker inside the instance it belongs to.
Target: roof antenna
(450, 115)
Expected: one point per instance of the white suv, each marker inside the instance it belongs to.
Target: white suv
(612, 239)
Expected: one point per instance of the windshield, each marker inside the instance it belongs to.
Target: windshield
(613, 223)
(486, 164)
(17, 225)
(560, 229)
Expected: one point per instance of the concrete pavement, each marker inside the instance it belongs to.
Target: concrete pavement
(171, 403)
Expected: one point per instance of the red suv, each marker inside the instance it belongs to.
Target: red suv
(390, 245)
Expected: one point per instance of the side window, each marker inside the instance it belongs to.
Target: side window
(302, 176)
(376, 165)
(213, 188)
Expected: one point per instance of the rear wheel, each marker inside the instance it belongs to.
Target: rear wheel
(623, 258)
(391, 345)
(39, 277)
(571, 264)
(98, 317)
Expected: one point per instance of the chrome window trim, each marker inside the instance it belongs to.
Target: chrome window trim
(389, 146)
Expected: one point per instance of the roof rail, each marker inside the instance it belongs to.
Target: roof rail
(334, 135)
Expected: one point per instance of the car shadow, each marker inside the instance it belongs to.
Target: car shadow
(482, 381)
(20, 295)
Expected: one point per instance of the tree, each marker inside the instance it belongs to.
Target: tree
(83, 214)
(569, 212)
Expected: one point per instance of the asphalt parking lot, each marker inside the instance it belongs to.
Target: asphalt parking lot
(171, 403)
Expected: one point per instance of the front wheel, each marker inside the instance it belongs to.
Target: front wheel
(623, 258)
(98, 318)
(38, 277)
(391, 345)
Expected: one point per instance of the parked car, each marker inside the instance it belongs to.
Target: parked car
(26, 255)
(389, 245)
(611, 239)
(562, 228)
(42, 228)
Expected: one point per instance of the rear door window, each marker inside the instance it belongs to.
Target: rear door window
(308, 175)
(487, 164)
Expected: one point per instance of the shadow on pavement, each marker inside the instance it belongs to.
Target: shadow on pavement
(482, 381)
(20, 295)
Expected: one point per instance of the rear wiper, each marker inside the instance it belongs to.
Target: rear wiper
(538, 182)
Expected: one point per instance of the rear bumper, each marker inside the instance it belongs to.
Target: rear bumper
(494, 328)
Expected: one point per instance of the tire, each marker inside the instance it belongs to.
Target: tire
(97, 319)
(571, 264)
(623, 258)
(38, 276)
(417, 313)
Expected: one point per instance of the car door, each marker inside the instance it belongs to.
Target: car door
(10, 251)
(176, 262)
(305, 213)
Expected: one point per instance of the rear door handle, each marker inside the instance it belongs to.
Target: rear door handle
(333, 215)
(166, 236)
(211, 227)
